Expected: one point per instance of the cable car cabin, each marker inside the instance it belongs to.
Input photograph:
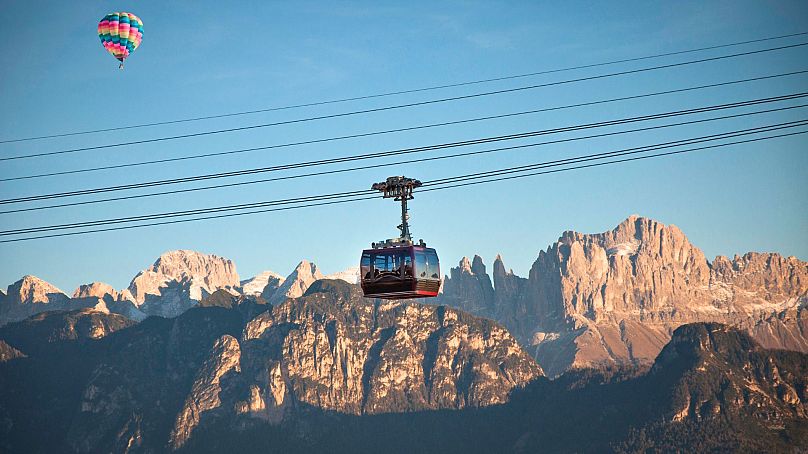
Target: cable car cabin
(400, 272)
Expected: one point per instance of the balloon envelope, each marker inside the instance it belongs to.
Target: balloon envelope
(120, 33)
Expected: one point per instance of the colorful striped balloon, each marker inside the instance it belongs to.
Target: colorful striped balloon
(120, 33)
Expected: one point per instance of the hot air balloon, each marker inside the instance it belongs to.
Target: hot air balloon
(120, 33)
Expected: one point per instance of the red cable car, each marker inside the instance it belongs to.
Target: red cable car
(397, 268)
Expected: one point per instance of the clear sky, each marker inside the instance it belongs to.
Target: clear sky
(209, 57)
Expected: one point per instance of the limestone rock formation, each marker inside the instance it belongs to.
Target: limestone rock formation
(42, 330)
(470, 288)
(96, 290)
(180, 279)
(614, 298)
(255, 285)
(7, 352)
(343, 353)
(28, 296)
(161, 381)
(744, 378)
(296, 283)
(223, 358)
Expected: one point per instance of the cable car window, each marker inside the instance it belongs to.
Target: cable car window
(391, 264)
(433, 266)
(420, 264)
(381, 263)
(407, 265)
(364, 265)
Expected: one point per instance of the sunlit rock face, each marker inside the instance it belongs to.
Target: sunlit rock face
(330, 350)
(731, 375)
(256, 285)
(330, 372)
(224, 357)
(296, 283)
(614, 298)
(348, 354)
(96, 290)
(30, 295)
(178, 280)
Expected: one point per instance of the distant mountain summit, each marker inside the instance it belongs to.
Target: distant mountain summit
(29, 296)
(180, 279)
(349, 275)
(296, 284)
(616, 297)
(258, 283)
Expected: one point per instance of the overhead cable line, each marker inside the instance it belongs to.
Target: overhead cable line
(402, 106)
(617, 161)
(403, 151)
(629, 151)
(390, 164)
(360, 198)
(411, 128)
(509, 170)
(204, 177)
(400, 92)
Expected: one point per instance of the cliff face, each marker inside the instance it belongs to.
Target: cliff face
(31, 295)
(343, 353)
(238, 363)
(178, 280)
(614, 298)
(743, 380)
(325, 374)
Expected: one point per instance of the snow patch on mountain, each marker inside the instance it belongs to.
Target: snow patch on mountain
(255, 285)
(349, 275)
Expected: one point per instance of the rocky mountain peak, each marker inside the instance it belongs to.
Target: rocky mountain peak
(705, 339)
(499, 265)
(772, 273)
(615, 297)
(33, 290)
(717, 370)
(180, 279)
(477, 265)
(98, 290)
(465, 266)
(469, 287)
(297, 282)
(215, 271)
(499, 269)
(255, 285)
(349, 275)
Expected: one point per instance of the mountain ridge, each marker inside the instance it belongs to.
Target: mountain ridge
(592, 300)
(212, 378)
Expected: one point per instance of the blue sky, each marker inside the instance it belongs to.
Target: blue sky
(202, 58)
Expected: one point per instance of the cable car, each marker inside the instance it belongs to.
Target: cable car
(398, 268)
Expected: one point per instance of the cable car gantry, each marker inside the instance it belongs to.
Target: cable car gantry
(398, 268)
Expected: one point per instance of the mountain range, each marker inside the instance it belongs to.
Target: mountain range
(628, 340)
(615, 298)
